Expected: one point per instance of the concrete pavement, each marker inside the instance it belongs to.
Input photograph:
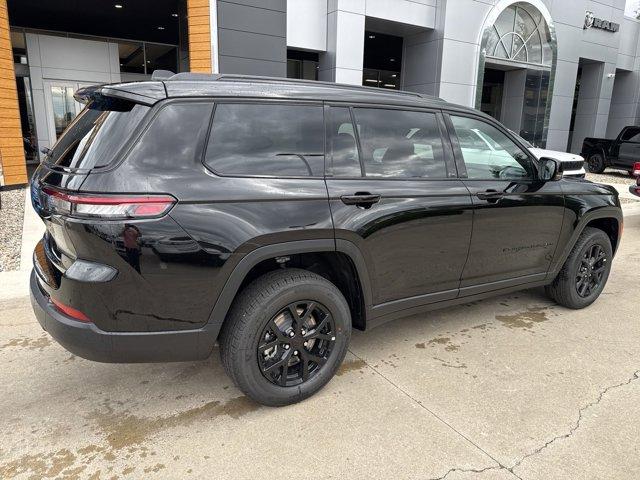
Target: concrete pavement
(512, 387)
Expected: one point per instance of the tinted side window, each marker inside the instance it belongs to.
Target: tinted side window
(631, 135)
(397, 143)
(342, 144)
(488, 153)
(175, 136)
(267, 139)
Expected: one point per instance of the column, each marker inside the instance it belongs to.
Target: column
(342, 63)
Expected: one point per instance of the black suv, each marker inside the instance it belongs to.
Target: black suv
(274, 216)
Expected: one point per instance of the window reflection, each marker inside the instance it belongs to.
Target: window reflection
(398, 143)
(279, 140)
(64, 107)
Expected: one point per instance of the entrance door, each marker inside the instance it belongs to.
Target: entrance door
(517, 218)
(61, 106)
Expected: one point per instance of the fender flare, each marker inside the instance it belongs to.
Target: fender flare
(604, 212)
(223, 303)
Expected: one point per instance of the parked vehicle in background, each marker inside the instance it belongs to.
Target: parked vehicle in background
(622, 152)
(253, 213)
(572, 164)
(635, 189)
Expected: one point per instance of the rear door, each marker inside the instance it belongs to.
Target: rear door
(393, 192)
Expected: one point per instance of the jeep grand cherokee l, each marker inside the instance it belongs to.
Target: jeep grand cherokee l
(274, 216)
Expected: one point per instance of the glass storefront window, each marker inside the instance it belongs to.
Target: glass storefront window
(161, 57)
(131, 57)
(144, 57)
(520, 34)
(303, 65)
(64, 107)
(381, 78)
(302, 69)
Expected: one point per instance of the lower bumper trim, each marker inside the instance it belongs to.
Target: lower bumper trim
(88, 341)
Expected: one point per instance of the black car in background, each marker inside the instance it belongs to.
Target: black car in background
(274, 216)
(622, 152)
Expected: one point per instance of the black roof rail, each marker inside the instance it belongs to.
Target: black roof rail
(227, 77)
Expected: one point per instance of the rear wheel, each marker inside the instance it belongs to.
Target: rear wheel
(585, 272)
(595, 163)
(285, 337)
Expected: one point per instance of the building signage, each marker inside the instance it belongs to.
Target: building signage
(590, 21)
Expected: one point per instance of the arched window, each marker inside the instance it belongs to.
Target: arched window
(521, 35)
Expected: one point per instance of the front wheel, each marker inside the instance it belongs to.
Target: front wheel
(595, 163)
(585, 272)
(285, 337)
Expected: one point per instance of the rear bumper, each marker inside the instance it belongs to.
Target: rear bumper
(88, 341)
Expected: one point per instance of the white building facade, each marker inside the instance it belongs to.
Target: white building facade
(553, 71)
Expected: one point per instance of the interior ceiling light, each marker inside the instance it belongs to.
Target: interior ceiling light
(174, 15)
(160, 28)
(372, 36)
(117, 5)
(392, 59)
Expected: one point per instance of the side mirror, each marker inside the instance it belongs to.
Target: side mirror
(550, 169)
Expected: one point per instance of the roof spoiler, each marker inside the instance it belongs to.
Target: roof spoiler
(144, 93)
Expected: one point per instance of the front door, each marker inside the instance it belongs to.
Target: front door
(517, 218)
(629, 148)
(393, 193)
(61, 106)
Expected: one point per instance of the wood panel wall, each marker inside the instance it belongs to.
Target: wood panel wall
(11, 147)
(199, 36)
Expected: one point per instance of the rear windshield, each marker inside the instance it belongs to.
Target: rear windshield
(96, 135)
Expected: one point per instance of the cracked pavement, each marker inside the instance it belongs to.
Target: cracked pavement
(510, 387)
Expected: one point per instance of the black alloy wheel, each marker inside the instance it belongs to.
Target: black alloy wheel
(591, 270)
(595, 163)
(285, 336)
(296, 343)
(584, 273)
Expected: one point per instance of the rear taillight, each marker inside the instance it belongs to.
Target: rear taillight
(70, 311)
(107, 207)
(636, 170)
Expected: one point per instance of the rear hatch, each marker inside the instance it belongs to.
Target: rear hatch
(93, 142)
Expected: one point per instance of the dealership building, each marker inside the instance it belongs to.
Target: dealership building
(553, 71)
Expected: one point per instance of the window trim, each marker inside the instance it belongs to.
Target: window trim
(459, 158)
(259, 101)
(448, 152)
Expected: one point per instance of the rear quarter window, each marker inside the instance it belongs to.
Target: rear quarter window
(175, 137)
(266, 140)
(97, 135)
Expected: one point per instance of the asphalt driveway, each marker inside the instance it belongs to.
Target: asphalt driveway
(512, 387)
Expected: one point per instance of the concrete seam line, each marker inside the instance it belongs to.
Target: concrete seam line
(418, 402)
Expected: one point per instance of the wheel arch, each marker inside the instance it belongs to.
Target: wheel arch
(598, 148)
(305, 254)
(607, 219)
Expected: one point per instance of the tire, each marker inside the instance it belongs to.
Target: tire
(266, 300)
(595, 163)
(565, 287)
